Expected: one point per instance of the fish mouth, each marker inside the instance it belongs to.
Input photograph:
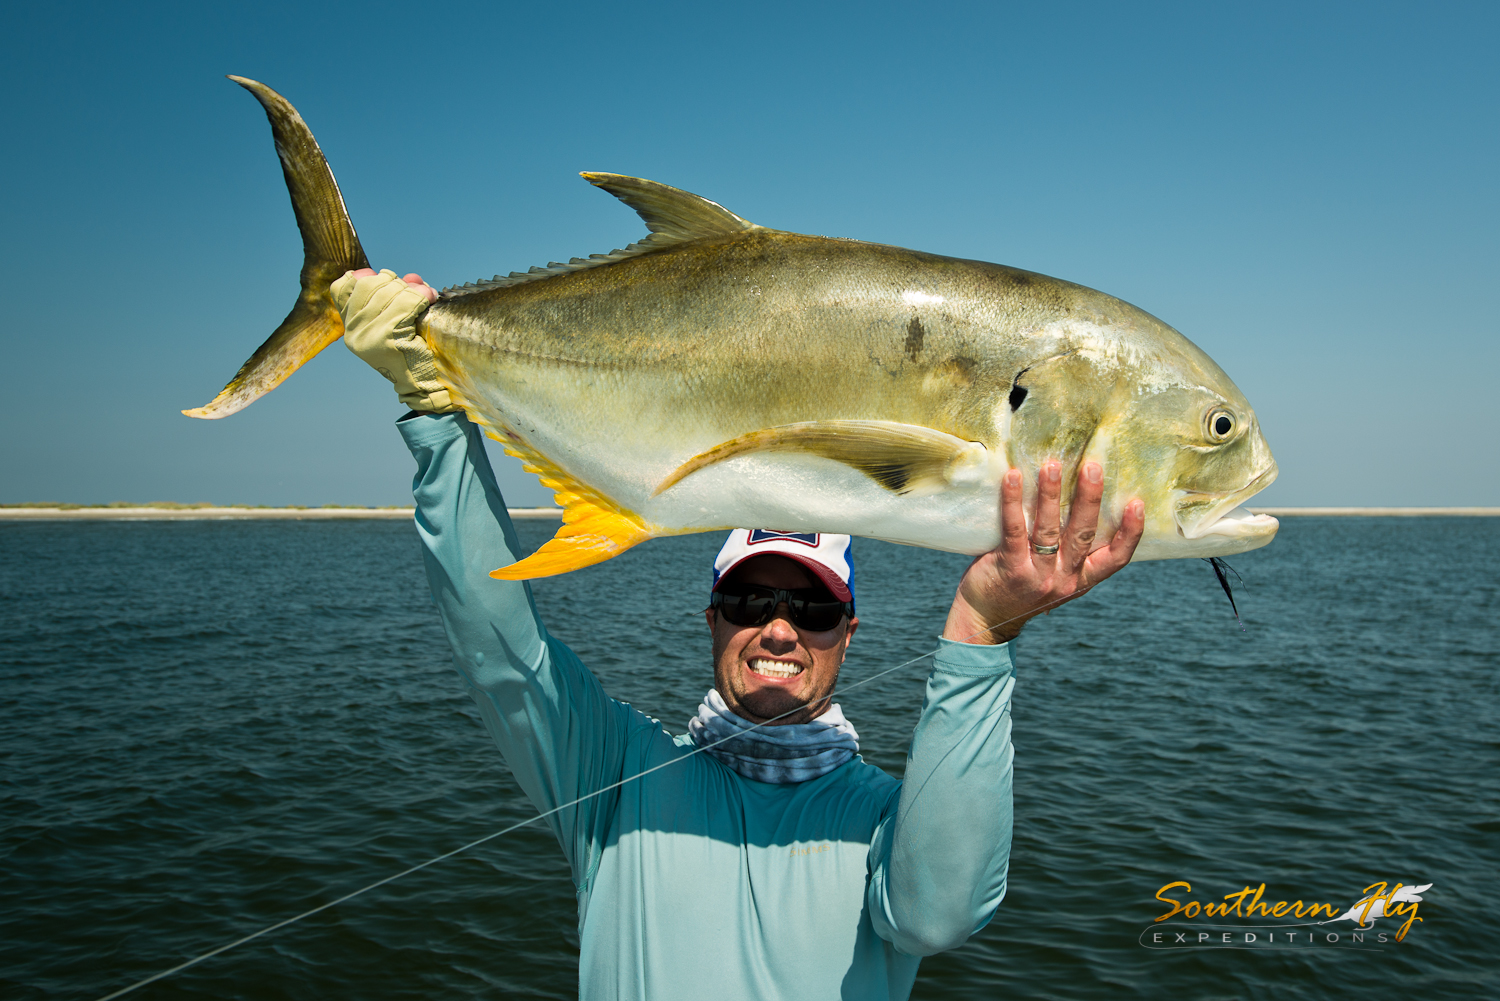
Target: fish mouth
(1202, 514)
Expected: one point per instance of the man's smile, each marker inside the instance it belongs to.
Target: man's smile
(778, 670)
(770, 668)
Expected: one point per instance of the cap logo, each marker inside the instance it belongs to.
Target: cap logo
(763, 535)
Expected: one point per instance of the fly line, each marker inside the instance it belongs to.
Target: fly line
(556, 809)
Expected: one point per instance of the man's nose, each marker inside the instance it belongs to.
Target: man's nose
(780, 629)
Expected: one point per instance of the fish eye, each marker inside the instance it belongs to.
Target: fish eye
(1220, 424)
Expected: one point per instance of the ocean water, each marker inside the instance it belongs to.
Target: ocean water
(206, 727)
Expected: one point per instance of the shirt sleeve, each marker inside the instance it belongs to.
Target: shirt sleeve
(561, 735)
(939, 862)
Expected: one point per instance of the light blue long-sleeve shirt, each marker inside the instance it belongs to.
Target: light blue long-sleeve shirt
(692, 880)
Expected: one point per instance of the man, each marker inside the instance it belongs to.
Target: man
(777, 863)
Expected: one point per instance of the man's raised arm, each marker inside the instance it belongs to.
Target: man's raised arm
(938, 866)
(560, 734)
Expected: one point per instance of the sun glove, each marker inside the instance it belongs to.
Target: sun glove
(380, 326)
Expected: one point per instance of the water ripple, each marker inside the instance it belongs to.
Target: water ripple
(207, 727)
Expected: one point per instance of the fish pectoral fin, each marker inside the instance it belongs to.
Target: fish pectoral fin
(590, 534)
(671, 214)
(903, 458)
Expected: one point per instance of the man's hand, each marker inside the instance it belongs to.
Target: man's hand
(343, 287)
(1003, 589)
(380, 326)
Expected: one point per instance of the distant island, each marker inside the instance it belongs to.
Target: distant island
(161, 510)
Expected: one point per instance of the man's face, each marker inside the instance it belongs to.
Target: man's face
(813, 656)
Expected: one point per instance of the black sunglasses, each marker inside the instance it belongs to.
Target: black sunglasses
(812, 608)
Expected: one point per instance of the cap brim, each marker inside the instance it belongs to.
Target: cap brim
(825, 576)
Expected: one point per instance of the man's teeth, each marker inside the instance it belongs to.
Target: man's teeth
(775, 668)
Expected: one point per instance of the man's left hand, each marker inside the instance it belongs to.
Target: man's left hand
(1003, 589)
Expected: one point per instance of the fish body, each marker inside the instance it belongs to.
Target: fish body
(721, 374)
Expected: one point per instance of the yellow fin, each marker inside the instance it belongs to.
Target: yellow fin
(593, 529)
(589, 535)
(903, 458)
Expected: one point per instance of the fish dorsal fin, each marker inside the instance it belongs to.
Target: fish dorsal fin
(674, 216)
(671, 214)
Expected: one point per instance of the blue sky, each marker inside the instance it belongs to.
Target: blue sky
(1305, 190)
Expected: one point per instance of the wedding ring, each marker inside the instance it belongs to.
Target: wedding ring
(1045, 550)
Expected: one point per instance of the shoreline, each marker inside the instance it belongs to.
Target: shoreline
(148, 513)
(1378, 512)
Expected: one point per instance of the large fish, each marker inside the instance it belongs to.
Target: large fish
(719, 373)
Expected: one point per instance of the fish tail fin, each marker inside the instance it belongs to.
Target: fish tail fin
(593, 529)
(330, 247)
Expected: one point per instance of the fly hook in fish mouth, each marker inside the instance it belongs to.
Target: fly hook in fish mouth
(1219, 567)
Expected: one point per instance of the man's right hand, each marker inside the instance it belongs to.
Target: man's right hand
(1030, 574)
(380, 326)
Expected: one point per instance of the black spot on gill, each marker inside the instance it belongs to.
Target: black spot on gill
(1219, 567)
(915, 335)
(1017, 397)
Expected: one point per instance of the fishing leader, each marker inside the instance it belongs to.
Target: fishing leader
(777, 863)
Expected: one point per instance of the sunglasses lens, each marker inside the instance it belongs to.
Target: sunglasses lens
(748, 608)
(817, 616)
(754, 606)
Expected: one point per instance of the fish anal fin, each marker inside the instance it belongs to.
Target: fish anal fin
(903, 458)
(672, 215)
(590, 534)
(593, 530)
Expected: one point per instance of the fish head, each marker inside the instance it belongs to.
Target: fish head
(1165, 422)
(1196, 454)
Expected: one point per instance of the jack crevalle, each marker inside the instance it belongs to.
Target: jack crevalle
(719, 374)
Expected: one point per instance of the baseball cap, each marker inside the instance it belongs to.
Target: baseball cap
(828, 557)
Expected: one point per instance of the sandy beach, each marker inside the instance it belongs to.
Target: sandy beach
(230, 513)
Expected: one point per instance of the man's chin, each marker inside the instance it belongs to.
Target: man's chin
(776, 705)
